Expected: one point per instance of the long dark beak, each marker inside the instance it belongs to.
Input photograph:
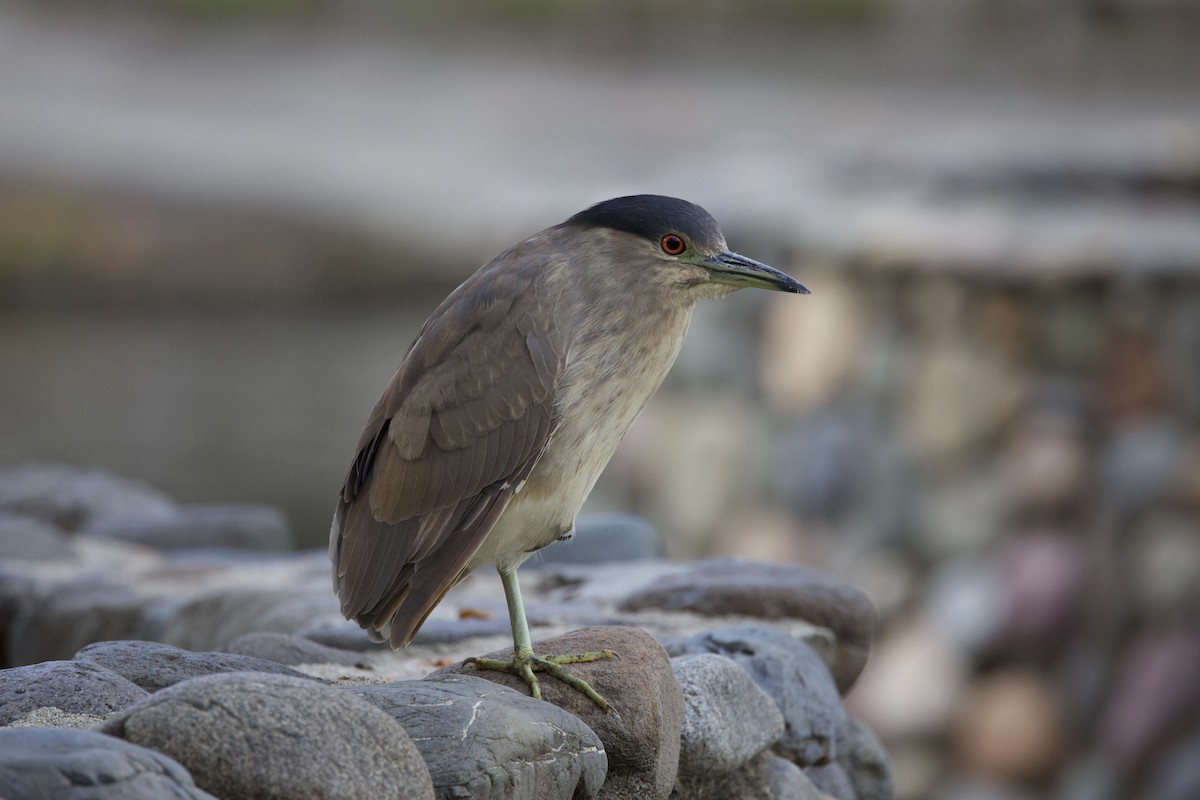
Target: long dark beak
(737, 270)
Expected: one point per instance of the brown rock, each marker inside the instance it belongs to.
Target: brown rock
(642, 736)
(1011, 727)
(720, 586)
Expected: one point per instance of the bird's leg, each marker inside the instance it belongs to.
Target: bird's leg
(524, 663)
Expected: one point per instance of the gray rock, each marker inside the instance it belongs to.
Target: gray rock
(241, 526)
(16, 593)
(64, 764)
(727, 719)
(445, 631)
(154, 666)
(606, 538)
(31, 539)
(866, 762)
(78, 687)
(785, 781)
(765, 777)
(482, 740)
(56, 622)
(251, 734)
(284, 648)
(212, 620)
(719, 586)
(830, 779)
(76, 498)
(792, 674)
(1138, 464)
(344, 635)
(642, 737)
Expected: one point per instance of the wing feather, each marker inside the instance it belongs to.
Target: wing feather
(459, 427)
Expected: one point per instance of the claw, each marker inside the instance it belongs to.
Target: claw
(525, 665)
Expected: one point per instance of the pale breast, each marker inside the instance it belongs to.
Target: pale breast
(606, 383)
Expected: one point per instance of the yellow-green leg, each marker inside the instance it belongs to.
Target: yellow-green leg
(524, 663)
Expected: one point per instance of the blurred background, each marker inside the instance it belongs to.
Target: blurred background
(222, 221)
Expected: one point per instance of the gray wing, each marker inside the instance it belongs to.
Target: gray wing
(459, 427)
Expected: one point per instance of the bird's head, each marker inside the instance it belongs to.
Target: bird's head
(679, 242)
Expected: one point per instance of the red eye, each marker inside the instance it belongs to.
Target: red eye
(672, 245)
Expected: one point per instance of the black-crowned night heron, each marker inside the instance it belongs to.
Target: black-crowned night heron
(510, 403)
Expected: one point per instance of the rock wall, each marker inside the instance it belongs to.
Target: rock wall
(155, 650)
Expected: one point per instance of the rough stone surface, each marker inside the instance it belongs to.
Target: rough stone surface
(287, 649)
(74, 498)
(65, 764)
(31, 539)
(642, 737)
(606, 538)
(155, 666)
(866, 762)
(75, 686)
(727, 718)
(241, 526)
(736, 586)
(792, 674)
(261, 735)
(481, 740)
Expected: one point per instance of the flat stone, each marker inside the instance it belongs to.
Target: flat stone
(75, 498)
(25, 538)
(606, 538)
(642, 737)
(241, 526)
(482, 740)
(214, 619)
(252, 734)
(83, 765)
(344, 635)
(78, 687)
(283, 648)
(792, 674)
(719, 586)
(727, 718)
(154, 666)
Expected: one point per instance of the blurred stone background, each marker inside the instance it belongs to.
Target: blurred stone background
(222, 221)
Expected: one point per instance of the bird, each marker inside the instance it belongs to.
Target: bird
(510, 402)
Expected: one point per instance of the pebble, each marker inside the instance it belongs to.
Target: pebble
(252, 734)
(67, 764)
(485, 741)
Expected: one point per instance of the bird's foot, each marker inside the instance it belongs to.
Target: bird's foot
(526, 664)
